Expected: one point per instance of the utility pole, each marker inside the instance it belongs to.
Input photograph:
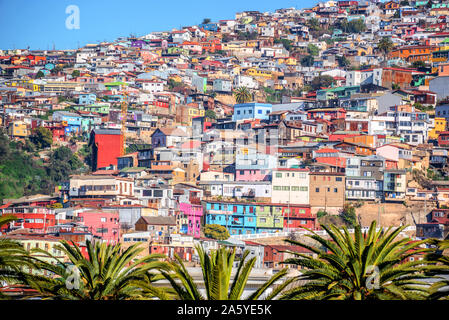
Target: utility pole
(288, 213)
(378, 215)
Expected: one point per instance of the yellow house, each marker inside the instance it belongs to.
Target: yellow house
(259, 73)
(440, 125)
(195, 112)
(251, 43)
(18, 129)
(47, 243)
(176, 78)
(291, 61)
(152, 210)
(364, 51)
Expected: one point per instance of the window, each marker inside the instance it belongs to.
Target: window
(303, 188)
(295, 188)
(278, 175)
(338, 179)
(103, 219)
(335, 190)
(317, 189)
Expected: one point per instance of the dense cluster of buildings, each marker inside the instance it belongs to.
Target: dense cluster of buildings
(263, 167)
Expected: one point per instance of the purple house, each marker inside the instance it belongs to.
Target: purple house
(138, 43)
(193, 213)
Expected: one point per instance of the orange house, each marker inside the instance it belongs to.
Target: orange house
(414, 53)
(391, 5)
(401, 76)
(367, 140)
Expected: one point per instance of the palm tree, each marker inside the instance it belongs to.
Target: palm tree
(216, 270)
(242, 95)
(108, 273)
(13, 258)
(385, 45)
(439, 270)
(346, 266)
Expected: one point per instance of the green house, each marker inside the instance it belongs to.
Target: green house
(269, 217)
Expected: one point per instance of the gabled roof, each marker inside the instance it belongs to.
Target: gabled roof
(159, 220)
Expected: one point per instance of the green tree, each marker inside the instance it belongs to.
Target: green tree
(242, 95)
(42, 137)
(75, 73)
(418, 64)
(438, 269)
(285, 42)
(322, 82)
(110, 272)
(216, 231)
(13, 258)
(385, 45)
(210, 114)
(307, 61)
(216, 269)
(205, 21)
(40, 74)
(63, 163)
(343, 62)
(395, 86)
(348, 215)
(321, 213)
(362, 266)
(356, 26)
(313, 50)
(313, 24)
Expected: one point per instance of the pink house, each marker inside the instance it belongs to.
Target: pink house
(103, 224)
(252, 175)
(193, 212)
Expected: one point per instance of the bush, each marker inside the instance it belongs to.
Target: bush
(321, 213)
(349, 216)
(216, 231)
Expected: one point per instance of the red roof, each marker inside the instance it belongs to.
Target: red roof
(326, 150)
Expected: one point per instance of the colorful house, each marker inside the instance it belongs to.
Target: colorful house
(103, 224)
(194, 214)
(106, 147)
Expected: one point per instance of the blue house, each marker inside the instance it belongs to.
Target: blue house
(252, 110)
(72, 119)
(238, 218)
(87, 98)
(209, 26)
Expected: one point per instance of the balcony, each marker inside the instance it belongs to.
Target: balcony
(195, 200)
(249, 194)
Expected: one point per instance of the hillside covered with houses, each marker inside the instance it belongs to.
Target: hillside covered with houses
(236, 133)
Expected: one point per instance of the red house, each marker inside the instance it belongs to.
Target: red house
(106, 147)
(36, 219)
(298, 217)
(443, 139)
(274, 255)
(326, 113)
(103, 224)
(330, 156)
(58, 131)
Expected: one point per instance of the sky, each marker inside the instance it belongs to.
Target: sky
(41, 24)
